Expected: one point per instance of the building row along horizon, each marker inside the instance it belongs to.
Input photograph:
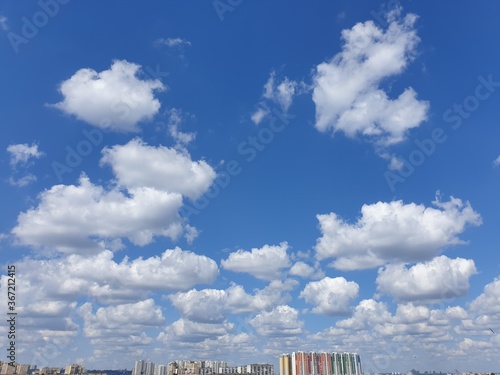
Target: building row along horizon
(6, 368)
(186, 367)
(313, 363)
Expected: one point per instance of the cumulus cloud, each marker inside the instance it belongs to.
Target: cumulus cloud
(215, 305)
(203, 306)
(22, 153)
(242, 343)
(456, 312)
(306, 271)
(265, 263)
(115, 99)
(138, 165)
(187, 331)
(331, 296)
(282, 321)
(393, 231)
(489, 301)
(152, 182)
(496, 162)
(68, 215)
(366, 314)
(120, 320)
(122, 327)
(410, 329)
(266, 299)
(346, 89)
(103, 279)
(439, 279)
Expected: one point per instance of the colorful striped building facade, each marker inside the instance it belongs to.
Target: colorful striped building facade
(313, 363)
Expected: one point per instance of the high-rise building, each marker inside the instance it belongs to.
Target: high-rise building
(259, 369)
(160, 370)
(22, 369)
(313, 363)
(150, 368)
(172, 368)
(285, 364)
(74, 369)
(7, 369)
(139, 368)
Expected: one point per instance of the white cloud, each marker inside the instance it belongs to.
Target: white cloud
(120, 320)
(409, 313)
(187, 331)
(191, 233)
(281, 322)
(395, 164)
(366, 314)
(274, 294)
(259, 115)
(281, 94)
(121, 327)
(393, 231)
(173, 42)
(265, 263)
(52, 287)
(215, 346)
(305, 271)
(68, 215)
(407, 333)
(114, 99)
(439, 279)
(456, 312)
(346, 88)
(331, 296)
(3, 23)
(137, 165)
(22, 153)
(23, 181)
(489, 301)
(175, 119)
(215, 305)
(496, 162)
(151, 184)
(204, 306)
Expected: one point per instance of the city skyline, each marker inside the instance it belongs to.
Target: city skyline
(234, 180)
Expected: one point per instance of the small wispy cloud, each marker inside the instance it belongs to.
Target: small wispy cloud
(277, 93)
(23, 181)
(22, 153)
(496, 162)
(172, 42)
(175, 119)
(3, 23)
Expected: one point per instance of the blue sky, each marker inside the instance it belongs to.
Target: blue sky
(234, 180)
